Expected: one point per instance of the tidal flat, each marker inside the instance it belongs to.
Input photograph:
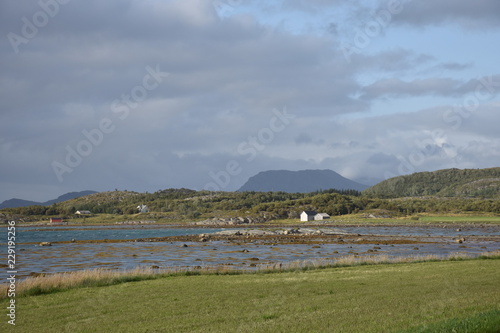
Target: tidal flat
(74, 248)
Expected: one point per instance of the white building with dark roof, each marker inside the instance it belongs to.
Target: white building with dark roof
(307, 215)
(321, 216)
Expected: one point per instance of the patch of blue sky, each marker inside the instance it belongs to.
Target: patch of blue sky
(476, 50)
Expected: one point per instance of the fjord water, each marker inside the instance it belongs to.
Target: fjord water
(68, 233)
(61, 257)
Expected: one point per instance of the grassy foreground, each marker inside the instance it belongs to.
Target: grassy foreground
(413, 297)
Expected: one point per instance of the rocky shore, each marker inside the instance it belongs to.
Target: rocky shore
(136, 222)
(285, 231)
(219, 221)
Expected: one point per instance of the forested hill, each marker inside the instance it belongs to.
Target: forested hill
(444, 183)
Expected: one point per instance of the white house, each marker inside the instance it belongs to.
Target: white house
(143, 209)
(83, 212)
(321, 216)
(307, 215)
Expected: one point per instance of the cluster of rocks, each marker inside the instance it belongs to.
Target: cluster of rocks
(204, 237)
(378, 216)
(136, 222)
(246, 232)
(287, 231)
(231, 221)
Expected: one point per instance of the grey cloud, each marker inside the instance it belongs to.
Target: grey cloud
(480, 14)
(398, 61)
(307, 139)
(432, 86)
(217, 58)
(332, 28)
(311, 5)
(225, 78)
(454, 66)
(396, 87)
(303, 138)
(382, 159)
(483, 86)
(481, 122)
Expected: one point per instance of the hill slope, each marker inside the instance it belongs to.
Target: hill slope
(14, 203)
(445, 183)
(303, 181)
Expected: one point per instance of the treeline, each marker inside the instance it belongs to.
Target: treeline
(335, 204)
(475, 183)
(184, 203)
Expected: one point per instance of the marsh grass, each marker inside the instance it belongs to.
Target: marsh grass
(51, 283)
(353, 260)
(86, 278)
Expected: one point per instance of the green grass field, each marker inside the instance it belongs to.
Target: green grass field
(461, 219)
(447, 296)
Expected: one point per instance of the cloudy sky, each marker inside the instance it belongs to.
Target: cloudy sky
(146, 95)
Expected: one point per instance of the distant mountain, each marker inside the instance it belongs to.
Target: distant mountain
(443, 183)
(303, 181)
(14, 203)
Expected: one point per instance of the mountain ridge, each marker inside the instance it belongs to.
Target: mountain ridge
(15, 202)
(302, 181)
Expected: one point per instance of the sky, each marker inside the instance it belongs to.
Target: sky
(144, 95)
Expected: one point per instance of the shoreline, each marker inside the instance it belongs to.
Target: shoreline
(191, 225)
